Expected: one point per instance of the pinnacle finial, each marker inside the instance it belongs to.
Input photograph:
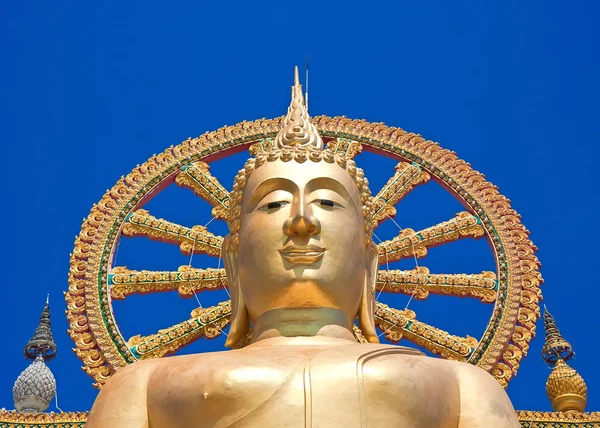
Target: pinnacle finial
(555, 346)
(566, 389)
(34, 388)
(42, 343)
(298, 129)
(296, 77)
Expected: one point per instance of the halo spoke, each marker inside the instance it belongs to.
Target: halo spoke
(197, 239)
(397, 324)
(345, 147)
(420, 283)
(406, 178)
(409, 243)
(186, 280)
(197, 177)
(204, 322)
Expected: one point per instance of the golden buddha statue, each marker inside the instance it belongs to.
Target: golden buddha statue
(302, 267)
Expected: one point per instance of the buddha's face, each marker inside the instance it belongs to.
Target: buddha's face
(302, 239)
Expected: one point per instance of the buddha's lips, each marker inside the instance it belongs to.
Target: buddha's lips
(306, 254)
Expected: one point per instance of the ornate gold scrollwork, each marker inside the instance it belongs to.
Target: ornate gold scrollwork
(197, 239)
(409, 243)
(397, 324)
(204, 322)
(14, 419)
(406, 178)
(347, 148)
(419, 283)
(186, 280)
(197, 177)
(92, 323)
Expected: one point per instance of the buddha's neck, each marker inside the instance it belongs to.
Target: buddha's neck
(303, 326)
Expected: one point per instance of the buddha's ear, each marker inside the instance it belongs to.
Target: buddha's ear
(366, 315)
(239, 324)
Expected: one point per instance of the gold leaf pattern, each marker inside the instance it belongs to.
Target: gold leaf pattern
(197, 239)
(406, 178)
(186, 280)
(90, 314)
(410, 244)
(197, 177)
(420, 283)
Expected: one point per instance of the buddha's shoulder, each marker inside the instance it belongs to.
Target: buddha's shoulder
(399, 358)
(144, 370)
(391, 360)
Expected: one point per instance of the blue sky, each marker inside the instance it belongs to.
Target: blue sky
(90, 90)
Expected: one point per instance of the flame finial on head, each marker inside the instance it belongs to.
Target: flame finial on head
(298, 129)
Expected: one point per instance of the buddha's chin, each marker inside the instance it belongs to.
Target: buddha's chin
(305, 293)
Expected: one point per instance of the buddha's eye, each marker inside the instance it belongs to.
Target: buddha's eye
(327, 203)
(271, 206)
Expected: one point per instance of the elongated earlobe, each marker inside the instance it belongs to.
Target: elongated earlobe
(366, 315)
(239, 324)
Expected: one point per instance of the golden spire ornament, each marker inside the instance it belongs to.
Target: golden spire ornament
(555, 346)
(297, 128)
(565, 387)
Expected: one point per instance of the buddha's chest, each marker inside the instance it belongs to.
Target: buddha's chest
(326, 389)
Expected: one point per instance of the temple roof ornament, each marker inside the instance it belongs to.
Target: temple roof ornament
(42, 343)
(35, 387)
(565, 388)
(555, 345)
(297, 128)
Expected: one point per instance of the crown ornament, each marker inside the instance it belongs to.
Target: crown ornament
(298, 129)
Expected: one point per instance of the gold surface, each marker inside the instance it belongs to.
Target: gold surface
(536, 419)
(417, 282)
(278, 269)
(94, 328)
(409, 244)
(301, 268)
(197, 177)
(303, 381)
(204, 322)
(527, 418)
(85, 258)
(523, 270)
(13, 419)
(196, 239)
(404, 180)
(397, 324)
(186, 280)
(345, 147)
(297, 129)
(420, 283)
(566, 389)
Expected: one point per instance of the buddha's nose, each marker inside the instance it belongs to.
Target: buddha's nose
(302, 224)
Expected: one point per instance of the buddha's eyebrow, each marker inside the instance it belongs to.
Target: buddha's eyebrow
(268, 186)
(330, 184)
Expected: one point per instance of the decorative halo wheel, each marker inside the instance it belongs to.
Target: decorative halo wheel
(514, 289)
